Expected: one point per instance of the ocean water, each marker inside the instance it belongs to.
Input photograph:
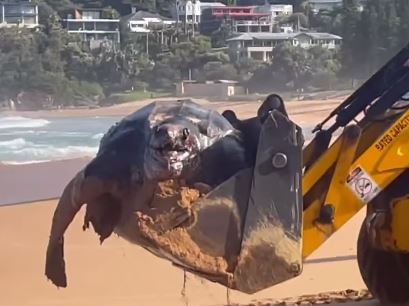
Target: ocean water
(28, 140)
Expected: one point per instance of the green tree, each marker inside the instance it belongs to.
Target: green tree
(218, 71)
(392, 21)
(352, 46)
(329, 21)
(402, 9)
(220, 36)
(246, 67)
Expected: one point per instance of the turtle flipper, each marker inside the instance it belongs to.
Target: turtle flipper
(79, 190)
(65, 212)
(104, 213)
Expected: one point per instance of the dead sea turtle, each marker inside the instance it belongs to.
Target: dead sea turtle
(163, 140)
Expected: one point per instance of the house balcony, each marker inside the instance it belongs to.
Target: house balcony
(259, 49)
(19, 10)
(258, 53)
(252, 23)
(95, 31)
(252, 26)
(92, 25)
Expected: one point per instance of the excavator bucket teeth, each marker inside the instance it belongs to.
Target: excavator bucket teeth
(254, 219)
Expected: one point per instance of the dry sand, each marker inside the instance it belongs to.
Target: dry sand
(298, 109)
(118, 273)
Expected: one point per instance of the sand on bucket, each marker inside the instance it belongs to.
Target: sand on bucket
(161, 225)
(166, 221)
(268, 256)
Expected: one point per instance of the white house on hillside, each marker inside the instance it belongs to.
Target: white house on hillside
(18, 13)
(275, 9)
(93, 29)
(259, 46)
(318, 5)
(329, 5)
(143, 22)
(188, 12)
(206, 5)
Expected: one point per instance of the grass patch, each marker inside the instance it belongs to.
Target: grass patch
(136, 96)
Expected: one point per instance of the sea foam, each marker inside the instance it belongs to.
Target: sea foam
(21, 122)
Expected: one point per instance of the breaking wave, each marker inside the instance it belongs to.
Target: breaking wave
(14, 144)
(27, 152)
(30, 140)
(21, 122)
(27, 162)
(98, 136)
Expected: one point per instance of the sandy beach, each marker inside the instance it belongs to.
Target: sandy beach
(118, 273)
(298, 109)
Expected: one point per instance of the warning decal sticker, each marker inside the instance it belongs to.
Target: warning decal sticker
(364, 187)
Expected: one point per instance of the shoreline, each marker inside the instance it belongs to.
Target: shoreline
(120, 110)
(38, 181)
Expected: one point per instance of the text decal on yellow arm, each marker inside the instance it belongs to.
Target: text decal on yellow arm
(393, 133)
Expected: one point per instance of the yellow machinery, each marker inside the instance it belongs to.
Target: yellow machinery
(366, 166)
(312, 192)
(267, 219)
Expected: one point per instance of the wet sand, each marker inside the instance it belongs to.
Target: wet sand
(118, 273)
(40, 180)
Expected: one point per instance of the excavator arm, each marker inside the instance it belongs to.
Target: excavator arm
(369, 152)
(366, 166)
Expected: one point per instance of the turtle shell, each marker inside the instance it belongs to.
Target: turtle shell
(211, 124)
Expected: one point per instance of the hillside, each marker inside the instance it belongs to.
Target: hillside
(59, 67)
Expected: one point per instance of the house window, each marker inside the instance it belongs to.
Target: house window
(12, 10)
(248, 43)
(29, 20)
(18, 10)
(102, 26)
(13, 20)
(91, 15)
(28, 10)
(257, 55)
(74, 26)
(89, 26)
